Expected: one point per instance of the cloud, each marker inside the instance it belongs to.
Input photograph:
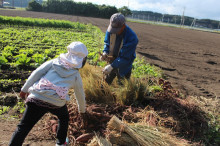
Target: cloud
(193, 8)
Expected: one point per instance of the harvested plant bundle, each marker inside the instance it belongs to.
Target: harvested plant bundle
(144, 135)
(99, 141)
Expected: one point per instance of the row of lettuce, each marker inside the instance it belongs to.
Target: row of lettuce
(25, 43)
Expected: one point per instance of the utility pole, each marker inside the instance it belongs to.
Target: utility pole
(175, 19)
(218, 24)
(182, 18)
(193, 22)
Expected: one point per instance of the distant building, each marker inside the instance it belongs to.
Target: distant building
(6, 3)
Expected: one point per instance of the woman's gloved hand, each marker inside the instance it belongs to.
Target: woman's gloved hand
(107, 69)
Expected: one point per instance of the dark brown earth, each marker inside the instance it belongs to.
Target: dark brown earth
(189, 58)
(37, 136)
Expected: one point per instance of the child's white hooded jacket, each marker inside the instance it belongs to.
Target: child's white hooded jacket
(59, 79)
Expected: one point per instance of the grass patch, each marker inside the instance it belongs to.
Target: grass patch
(21, 21)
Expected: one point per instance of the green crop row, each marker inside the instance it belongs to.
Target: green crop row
(20, 21)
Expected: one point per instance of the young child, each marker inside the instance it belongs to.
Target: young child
(47, 91)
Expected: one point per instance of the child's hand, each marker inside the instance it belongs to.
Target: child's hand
(23, 95)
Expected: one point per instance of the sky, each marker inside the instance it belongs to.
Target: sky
(200, 9)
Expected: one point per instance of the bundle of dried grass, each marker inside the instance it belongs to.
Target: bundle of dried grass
(96, 89)
(99, 141)
(132, 90)
(144, 135)
(120, 138)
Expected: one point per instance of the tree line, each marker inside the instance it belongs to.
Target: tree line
(175, 19)
(73, 8)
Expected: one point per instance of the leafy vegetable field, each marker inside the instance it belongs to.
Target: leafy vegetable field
(28, 47)
(23, 48)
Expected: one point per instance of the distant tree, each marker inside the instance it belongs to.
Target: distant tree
(106, 11)
(34, 6)
(1, 3)
(78, 8)
(125, 11)
(53, 6)
(91, 9)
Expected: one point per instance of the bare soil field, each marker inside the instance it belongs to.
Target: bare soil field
(188, 58)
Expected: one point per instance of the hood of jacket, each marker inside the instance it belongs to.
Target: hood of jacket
(62, 70)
